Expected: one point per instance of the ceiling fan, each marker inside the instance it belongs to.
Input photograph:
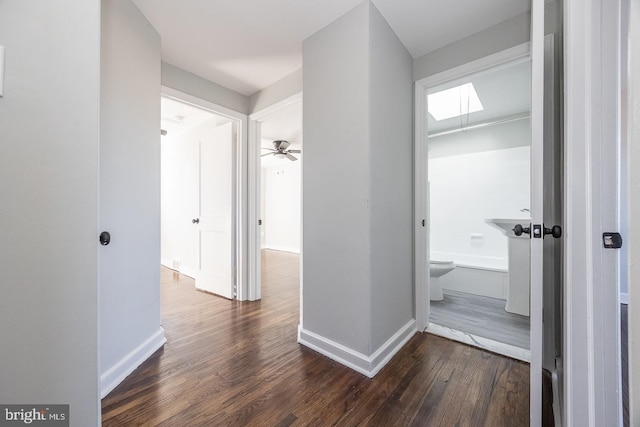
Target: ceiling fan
(280, 150)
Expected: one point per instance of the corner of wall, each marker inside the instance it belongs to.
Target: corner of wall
(278, 91)
(184, 81)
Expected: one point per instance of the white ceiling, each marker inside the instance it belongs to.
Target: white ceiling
(246, 45)
(286, 123)
(178, 117)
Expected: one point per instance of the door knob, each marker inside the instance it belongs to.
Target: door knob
(195, 220)
(105, 238)
(555, 231)
(519, 229)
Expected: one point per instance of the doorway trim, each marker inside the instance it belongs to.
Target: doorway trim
(239, 182)
(254, 290)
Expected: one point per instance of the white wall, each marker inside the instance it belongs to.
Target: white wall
(475, 175)
(278, 91)
(179, 201)
(49, 135)
(357, 264)
(502, 36)
(336, 271)
(391, 181)
(179, 79)
(281, 184)
(129, 291)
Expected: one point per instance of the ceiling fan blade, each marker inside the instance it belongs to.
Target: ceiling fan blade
(290, 157)
(294, 151)
(281, 144)
(268, 154)
(265, 148)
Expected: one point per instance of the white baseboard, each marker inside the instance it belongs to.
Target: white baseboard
(182, 270)
(366, 365)
(188, 272)
(282, 248)
(118, 372)
(624, 298)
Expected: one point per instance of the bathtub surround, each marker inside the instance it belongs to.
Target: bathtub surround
(479, 174)
(487, 282)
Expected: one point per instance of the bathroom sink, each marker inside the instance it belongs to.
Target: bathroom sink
(506, 226)
(519, 264)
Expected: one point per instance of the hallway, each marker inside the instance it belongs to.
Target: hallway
(234, 363)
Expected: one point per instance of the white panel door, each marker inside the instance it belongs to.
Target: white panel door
(215, 218)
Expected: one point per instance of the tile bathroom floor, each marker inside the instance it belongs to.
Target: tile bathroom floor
(481, 316)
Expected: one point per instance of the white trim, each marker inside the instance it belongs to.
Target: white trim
(537, 210)
(240, 182)
(421, 212)
(508, 350)
(591, 306)
(366, 365)
(253, 214)
(118, 372)
(624, 298)
(253, 204)
(492, 62)
(190, 272)
(503, 58)
(282, 248)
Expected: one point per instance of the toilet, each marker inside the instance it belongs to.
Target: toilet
(437, 269)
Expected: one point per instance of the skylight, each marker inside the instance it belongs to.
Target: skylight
(454, 102)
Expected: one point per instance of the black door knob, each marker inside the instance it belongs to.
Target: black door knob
(519, 229)
(105, 238)
(555, 231)
(195, 220)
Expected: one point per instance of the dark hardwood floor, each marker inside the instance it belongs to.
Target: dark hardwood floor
(229, 363)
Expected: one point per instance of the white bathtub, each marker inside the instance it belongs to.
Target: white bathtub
(476, 275)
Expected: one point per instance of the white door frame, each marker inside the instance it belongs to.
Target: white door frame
(254, 178)
(239, 182)
(592, 391)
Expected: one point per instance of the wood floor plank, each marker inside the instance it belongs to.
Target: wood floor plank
(229, 363)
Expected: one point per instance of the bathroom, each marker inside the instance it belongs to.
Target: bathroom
(478, 172)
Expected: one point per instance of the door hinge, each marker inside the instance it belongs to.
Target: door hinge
(424, 222)
(259, 222)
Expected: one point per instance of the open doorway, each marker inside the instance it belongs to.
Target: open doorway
(280, 180)
(275, 193)
(199, 193)
(479, 148)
